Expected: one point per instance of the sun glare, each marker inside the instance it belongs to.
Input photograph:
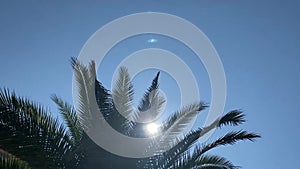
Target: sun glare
(152, 128)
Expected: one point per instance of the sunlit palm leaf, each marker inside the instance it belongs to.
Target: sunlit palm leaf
(145, 103)
(156, 107)
(85, 82)
(152, 104)
(181, 119)
(236, 118)
(176, 124)
(122, 94)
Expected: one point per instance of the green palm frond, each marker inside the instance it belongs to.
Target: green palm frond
(234, 118)
(203, 162)
(228, 139)
(214, 161)
(180, 151)
(8, 161)
(69, 115)
(12, 163)
(104, 99)
(29, 132)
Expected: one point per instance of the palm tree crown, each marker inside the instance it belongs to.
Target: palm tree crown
(31, 138)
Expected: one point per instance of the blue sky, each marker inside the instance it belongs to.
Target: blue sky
(258, 43)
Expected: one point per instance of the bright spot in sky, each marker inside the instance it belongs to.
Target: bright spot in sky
(152, 40)
(152, 128)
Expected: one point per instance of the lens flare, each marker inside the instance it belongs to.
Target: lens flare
(152, 128)
(152, 40)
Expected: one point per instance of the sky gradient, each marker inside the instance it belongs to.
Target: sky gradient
(258, 43)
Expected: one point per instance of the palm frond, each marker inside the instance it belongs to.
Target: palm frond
(85, 82)
(157, 104)
(168, 158)
(234, 118)
(175, 154)
(183, 145)
(109, 111)
(174, 126)
(152, 104)
(8, 161)
(145, 103)
(183, 117)
(117, 108)
(29, 132)
(206, 161)
(69, 115)
(203, 162)
(122, 94)
(228, 139)
(104, 99)
(178, 122)
(211, 166)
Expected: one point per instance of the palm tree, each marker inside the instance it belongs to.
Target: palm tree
(180, 155)
(31, 138)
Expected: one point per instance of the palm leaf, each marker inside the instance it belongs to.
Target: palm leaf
(176, 124)
(180, 119)
(145, 103)
(204, 162)
(85, 82)
(157, 104)
(152, 104)
(111, 105)
(214, 161)
(228, 139)
(31, 134)
(234, 118)
(69, 115)
(185, 160)
(8, 161)
(122, 94)
(168, 158)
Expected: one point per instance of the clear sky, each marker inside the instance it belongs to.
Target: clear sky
(258, 43)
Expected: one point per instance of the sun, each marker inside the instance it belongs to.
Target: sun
(152, 128)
